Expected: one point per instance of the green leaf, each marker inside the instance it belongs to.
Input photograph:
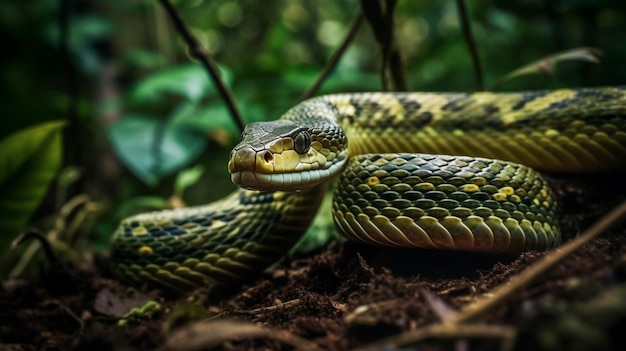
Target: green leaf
(186, 178)
(144, 58)
(208, 118)
(152, 148)
(189, 81)
(29, 161)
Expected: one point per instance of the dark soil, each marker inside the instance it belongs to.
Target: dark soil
(346, 297)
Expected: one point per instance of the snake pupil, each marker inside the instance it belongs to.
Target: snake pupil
(302, 142)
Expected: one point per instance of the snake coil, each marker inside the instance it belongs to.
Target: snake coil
(489, 198)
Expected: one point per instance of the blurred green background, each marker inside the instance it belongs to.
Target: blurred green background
(145, 122)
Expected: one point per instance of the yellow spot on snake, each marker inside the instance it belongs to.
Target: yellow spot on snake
(424, 187)
(215, 224)
(469, 188)
(371, 181)
(551, 133)
(499, 196)
(507, 190)
(139, 231)
(145, 250)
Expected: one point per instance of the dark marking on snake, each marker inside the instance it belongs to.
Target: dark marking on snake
(387, 120)
(409, 104)
(491, 109)
(357, 109)
(528, 97)
(455, 105)
(598, 95)
(423, 119)
(480, 196)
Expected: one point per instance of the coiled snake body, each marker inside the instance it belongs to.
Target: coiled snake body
(489, 198)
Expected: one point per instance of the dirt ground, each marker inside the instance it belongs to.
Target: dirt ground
(346, 297)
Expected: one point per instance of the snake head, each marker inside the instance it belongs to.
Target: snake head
(286, 156)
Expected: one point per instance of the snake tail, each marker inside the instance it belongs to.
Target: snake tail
(219, 245)
(445, 202)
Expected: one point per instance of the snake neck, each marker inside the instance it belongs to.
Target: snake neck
(564, 130)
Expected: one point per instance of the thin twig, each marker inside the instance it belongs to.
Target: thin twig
(506, 291)
(277, 306)
(471, 44)
(200, 53)
(334, 60)
(445, 331)
(43, 241)
(212, 333)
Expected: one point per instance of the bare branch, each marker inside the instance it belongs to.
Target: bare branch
(471, 44)
(334, 60)
(379, 14)
(201, 54)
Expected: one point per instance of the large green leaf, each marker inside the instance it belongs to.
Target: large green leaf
(29, 161)
(152, 148)
(189, 81)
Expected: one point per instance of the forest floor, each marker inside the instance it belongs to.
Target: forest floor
(346, 297)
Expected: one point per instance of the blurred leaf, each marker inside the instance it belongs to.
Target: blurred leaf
(153, 149)
(215, 120)
(144, 58)
(29, 161)
(186, 178)
(189, 81)
(69, 175)
(85, 32)
(210, 118)
(207, 118)
(548, 64)
(140, 204)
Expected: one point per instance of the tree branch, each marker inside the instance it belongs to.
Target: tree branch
(201, 54)
(334, 60)
(471, 44)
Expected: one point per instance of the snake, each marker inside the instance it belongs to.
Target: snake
(451, 171)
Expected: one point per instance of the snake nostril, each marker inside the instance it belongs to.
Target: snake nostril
(268, 157)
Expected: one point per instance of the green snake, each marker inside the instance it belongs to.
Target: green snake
(488, 198)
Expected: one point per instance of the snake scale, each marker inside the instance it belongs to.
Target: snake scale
(489, 197)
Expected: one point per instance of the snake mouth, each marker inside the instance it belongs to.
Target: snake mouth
(293, 181)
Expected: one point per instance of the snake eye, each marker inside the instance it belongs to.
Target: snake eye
(302, 142)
